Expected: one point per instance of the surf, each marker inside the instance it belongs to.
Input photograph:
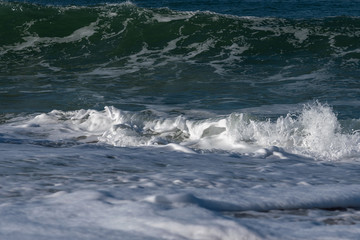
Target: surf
(314, 132)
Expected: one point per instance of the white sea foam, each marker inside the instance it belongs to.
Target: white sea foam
(33, 40)
(314, 132)
(299, 197)
(89, 191)
(172, 17)
(144, 193)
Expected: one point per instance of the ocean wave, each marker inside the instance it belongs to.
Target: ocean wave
(114, 36)
(315, 132)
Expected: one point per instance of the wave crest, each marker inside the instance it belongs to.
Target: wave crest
(315, 131)
(107, 37)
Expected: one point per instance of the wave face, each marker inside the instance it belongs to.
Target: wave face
(117, 32)
(121, 55)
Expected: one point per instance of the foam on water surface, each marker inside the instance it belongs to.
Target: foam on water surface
(112, 53)
(144, 193)
(144, 121)
(315, 131)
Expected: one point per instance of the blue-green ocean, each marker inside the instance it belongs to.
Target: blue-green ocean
(195, 119)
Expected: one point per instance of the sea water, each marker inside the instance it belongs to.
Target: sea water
(179, 119)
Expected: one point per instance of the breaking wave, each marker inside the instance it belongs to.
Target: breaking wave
(100, 39)
(315, 131)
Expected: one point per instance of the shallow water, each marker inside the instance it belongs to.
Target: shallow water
(179, 120)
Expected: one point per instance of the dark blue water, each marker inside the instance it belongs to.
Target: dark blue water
(259, 8)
